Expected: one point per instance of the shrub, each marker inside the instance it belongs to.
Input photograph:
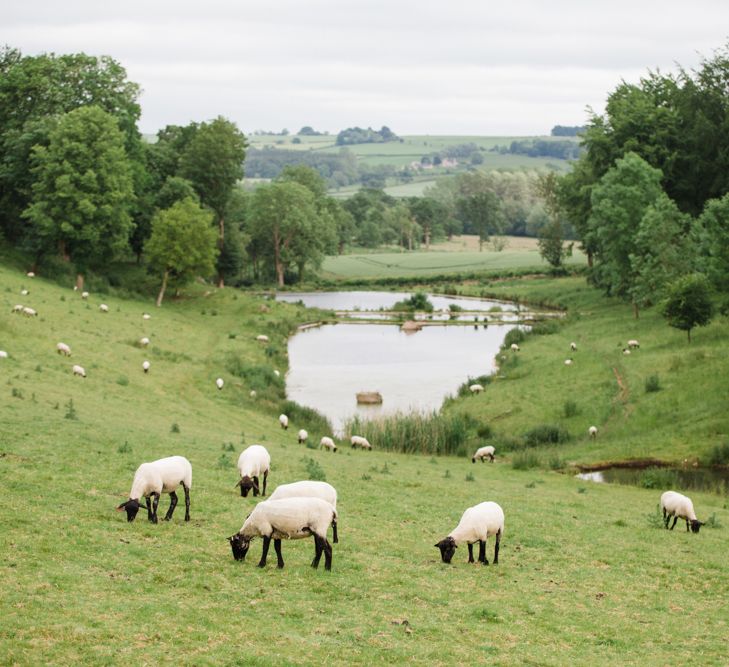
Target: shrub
(313, 469)
(175, 428)
(70, 410)
(652, 383)
(122, 380)
(570, 409)
(557, 463)
(485, 432)
(470, 477)
(719, 455)
(525, 460)
(655, 518)
(713, 522)
(514, 336)
(124, 449)
(307, 418)
(418, 301)
(546, 434)
(260, 378)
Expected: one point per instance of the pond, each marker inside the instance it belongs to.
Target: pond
(330, 364)
(713, 480)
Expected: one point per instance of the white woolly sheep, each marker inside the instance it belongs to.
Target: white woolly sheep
(219, 383)
(157, 477)
(253, 393)
(515, 347)
(84, 295)
(592, 432)
(253, 462)
(289, 519)
(476, 524)
(678, 506)
(146, 316)
(144, 341)
(309, 489)
(29, 312)
(568, 362)
(573, 346)
(360, 441)
(30, 274)
(17, 308)
(633, 344)
(103, 308)
(626, 350)
(79, 370)
(277, 373)
(262, 339)
(63, 349)
(284, 421)
(24, 292)
(145, 366)
(482, 453)
(3, 354)
(475, 388)
(303, 436)
(327, 443)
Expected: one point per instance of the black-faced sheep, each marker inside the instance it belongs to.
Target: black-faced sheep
(253, 462)
(678, 506)
(476, 524)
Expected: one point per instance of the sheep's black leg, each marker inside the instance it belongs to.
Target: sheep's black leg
(265, 477)
(187, 503)
(319, 547)
(155, 503)
(334, 531)
(149, 508)
(482, 551)
(255, 486)
(673, 525)
(241, 491)
(687, 525)
(470, 553)
(277, 546)
(327, 554)
(496, 549)
(173, 504)
(264, 553)
(492, 458)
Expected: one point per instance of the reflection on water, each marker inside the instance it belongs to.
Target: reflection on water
(330, 364)
(678, 479)
(364, 300)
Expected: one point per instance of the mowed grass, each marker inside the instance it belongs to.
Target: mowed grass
(584, 574)
(423, 262)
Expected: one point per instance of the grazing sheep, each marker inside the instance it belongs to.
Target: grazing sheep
(153, 479)
(3, 354)
(103, 308)
(360, 441)
(475, 388)
(303, 436)
(253, 393)
(144, 341)
(515, 347)
(592, 432)
(328, 443)
(63, 349)
(277, 373)
(145, 366)
(633, 344)
(252, 463)
(262, 339)
(678, 506)
(626, 350)
(146, 316)
(84, 295)
(17, 308)
(476, 524)
(30, 274)
(573, 346)
(284, 421)
(24, 292)
(309, 489)
(289, 519)
(79, 370)
(29, 312)
(568, 362)
(219, 383)
(482, 453)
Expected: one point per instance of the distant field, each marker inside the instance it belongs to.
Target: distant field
(450, 258)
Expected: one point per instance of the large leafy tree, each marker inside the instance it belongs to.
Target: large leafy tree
(482, 211)
(713, 229)
(430, 215)
(213, 162)
(689, 303)
(619, 203)
(182, 244)
(83, 190)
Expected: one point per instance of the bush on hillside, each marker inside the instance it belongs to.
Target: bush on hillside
(307, 418)
(719, 455)
(544, 434)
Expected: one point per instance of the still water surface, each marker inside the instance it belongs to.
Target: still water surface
(330, 364)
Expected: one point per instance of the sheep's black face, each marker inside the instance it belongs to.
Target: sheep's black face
(131, 507)
(695, 526)
(246, 484)
(240, 545)
(447, 548)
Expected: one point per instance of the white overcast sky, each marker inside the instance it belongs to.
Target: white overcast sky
(420, 67)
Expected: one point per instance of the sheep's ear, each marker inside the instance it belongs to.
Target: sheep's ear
(121, 507)
(238, 483)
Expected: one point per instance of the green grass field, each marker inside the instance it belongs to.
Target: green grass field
(585, 573)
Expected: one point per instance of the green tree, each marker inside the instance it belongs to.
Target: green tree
(482, 211)
(182, 244)
(664, 250)
(430, 214)
(213, 162)
(83, 190)
(713, 226)
(619, 203)
(689, 303)
(551, 244)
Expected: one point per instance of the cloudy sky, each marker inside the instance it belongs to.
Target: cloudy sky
(420, 67)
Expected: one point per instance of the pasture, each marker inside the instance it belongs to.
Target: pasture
(586, 573)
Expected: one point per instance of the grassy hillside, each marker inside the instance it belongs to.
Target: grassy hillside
(585, 574)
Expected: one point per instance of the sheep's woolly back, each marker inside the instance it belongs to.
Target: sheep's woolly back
(254, 461)
(303, 435)
(287, 518)
(483, 452)
(306, 489)
(678, 505)
(478, 523)
(161, 476)
(327, 442)
(360, 441)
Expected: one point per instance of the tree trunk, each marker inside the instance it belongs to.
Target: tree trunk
(221, 244)
(688, 331)
(480, 243)
(161, 294)
(277, 258)
(427, 238)
(635, 310)
(80, 282)
(63, 251)
(589, 259)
